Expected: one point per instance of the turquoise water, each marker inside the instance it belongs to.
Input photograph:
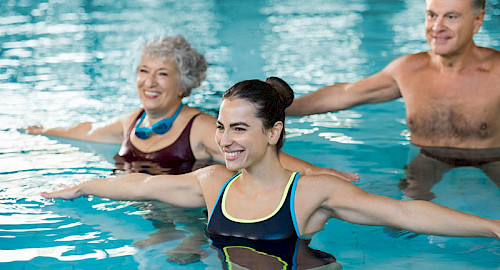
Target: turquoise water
(65, 62)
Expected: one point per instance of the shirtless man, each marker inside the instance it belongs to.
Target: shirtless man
(451, 94)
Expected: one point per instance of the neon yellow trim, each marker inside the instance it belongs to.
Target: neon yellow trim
(230, 263)
(283, 197)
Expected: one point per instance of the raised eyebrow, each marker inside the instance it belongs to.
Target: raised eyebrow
(239, 124)
(234, 124)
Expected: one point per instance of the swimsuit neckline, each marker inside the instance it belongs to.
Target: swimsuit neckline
(280, 205)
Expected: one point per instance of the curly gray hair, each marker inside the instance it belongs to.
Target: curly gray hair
(190, 64)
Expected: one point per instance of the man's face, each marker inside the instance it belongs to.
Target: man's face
(450, 25)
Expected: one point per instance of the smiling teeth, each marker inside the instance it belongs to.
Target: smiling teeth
(151, 93)
(232, 154)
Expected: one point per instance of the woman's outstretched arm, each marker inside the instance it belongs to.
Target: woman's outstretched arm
(352, 204)
(182, 190)
(111, 131)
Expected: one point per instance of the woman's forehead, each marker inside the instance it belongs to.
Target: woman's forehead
(156, 60)
(236, 108)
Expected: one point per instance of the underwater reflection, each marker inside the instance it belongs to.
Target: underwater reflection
(242, 253)
(428, 166)
(123, 166)
(167, 218)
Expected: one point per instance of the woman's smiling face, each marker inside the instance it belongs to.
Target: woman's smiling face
(240, 134)
(157, 83)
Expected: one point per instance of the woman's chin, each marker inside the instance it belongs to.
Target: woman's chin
(233, 166)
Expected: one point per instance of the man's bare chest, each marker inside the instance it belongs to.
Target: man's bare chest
(456, 108)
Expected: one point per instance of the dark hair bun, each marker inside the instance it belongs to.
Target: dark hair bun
(282, 88)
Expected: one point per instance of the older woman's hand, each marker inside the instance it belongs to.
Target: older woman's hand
(34, 129)
(350, 177)
(63, 192)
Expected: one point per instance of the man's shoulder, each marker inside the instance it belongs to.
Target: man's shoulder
(411, 58)
(488, 59)
(409, 62)
(489, 50)
(489, 54)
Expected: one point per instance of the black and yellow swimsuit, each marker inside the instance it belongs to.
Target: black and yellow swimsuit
(272, 242)
(281, 224)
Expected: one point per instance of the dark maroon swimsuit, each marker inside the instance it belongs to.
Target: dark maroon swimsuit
(176, 158)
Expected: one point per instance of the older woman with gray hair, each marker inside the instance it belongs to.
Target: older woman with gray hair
(164, 131)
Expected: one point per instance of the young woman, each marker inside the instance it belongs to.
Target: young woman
(262, 200)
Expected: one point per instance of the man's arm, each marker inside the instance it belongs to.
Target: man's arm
(379, 87)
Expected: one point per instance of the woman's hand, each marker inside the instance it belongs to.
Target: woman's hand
(350, 177)
(64, 192)
(303, 167)
(34, 129)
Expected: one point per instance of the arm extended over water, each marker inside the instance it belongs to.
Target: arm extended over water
(355, 205)
(106, 132)
(182, 190)
(376, 88)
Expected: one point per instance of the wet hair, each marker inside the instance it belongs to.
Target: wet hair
(478, 5)
(270, 99)
(190, 64)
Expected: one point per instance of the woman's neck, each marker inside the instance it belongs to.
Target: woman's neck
(155, 115)
(268, 171)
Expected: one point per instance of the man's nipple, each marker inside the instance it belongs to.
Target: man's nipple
(483, 126)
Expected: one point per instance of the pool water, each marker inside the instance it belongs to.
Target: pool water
(63, 62)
